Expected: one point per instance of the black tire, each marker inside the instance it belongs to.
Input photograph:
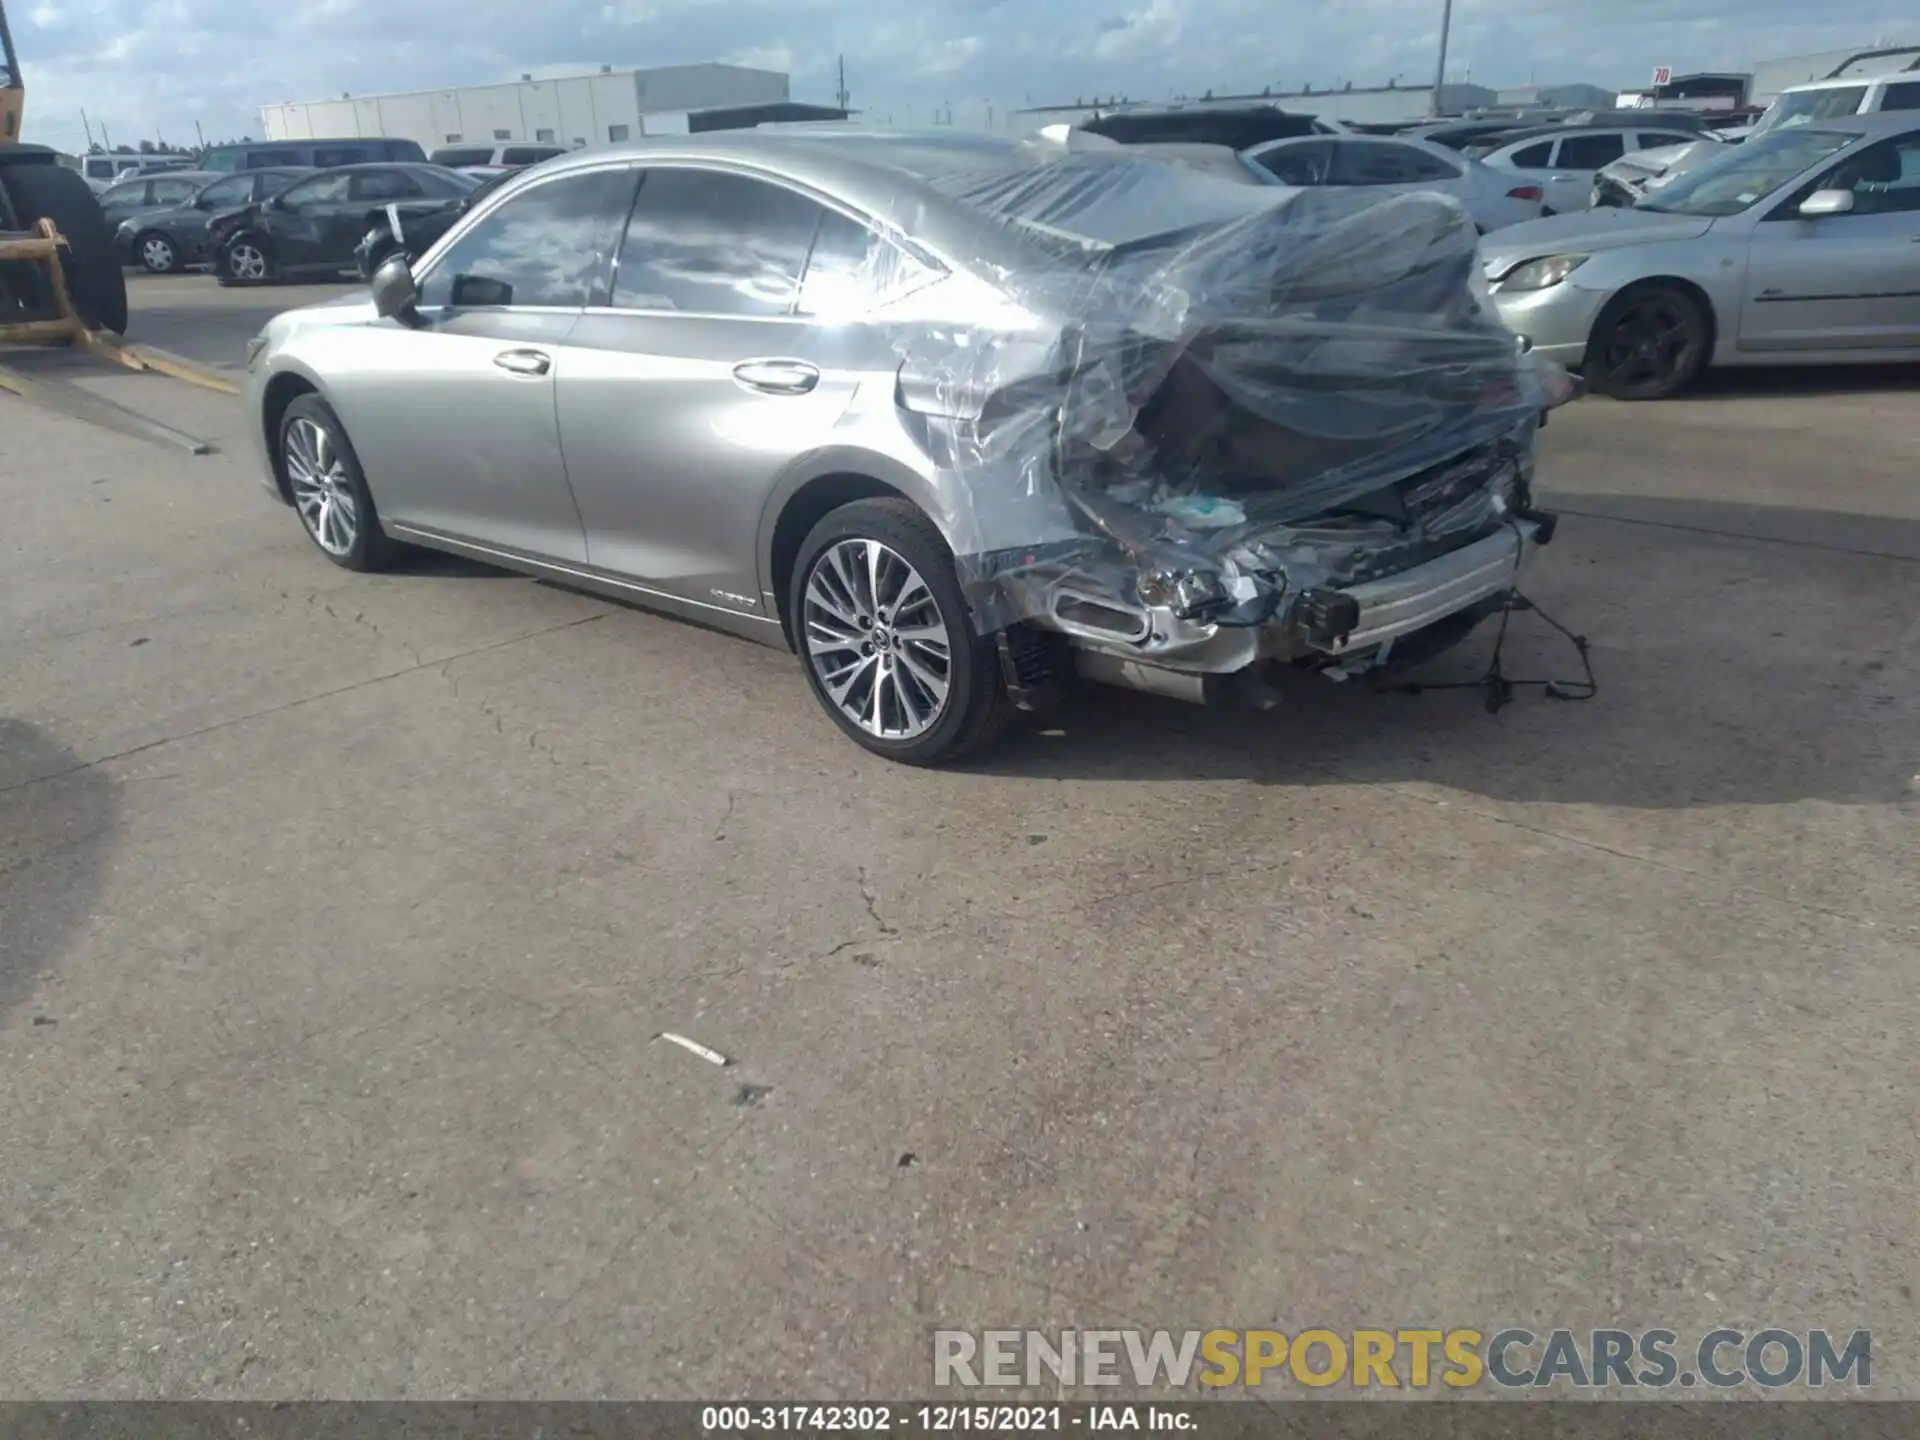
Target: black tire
(230, 267)
(1651, 341)
(157, 262)
(976, 708)
(96, 281)
(371, 549)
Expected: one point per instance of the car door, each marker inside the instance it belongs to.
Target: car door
(731, 349)
(1576, 160)
(297, 219)
(454, 420)
(1841, 282)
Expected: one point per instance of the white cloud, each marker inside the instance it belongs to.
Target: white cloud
(143, 67)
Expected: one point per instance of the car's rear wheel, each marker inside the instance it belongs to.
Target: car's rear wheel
(328, 489)
(886, 636)
(244, 260)
(1650, 342)
(157, 253)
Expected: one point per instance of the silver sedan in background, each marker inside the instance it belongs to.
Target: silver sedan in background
(1797, 247)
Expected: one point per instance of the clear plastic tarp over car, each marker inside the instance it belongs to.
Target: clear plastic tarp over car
(1211, 396)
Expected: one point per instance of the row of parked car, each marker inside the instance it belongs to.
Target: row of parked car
(287, 209)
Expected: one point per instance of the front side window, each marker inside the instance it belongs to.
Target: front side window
(226, 194)
(322, 190)
(547, 246)
(1884, 178)
(173, 192)
(1807, 107)
(710, 243)
(851, 270)
(132, 193)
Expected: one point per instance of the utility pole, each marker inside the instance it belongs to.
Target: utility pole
(1440, 70)
(86, 127)
(199, 135)
(840, 95)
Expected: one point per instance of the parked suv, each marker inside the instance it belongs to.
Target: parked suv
(309, 154)
(1836, 99)
(494, 157)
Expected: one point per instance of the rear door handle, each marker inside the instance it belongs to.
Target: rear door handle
(777, 377)
(524, 362)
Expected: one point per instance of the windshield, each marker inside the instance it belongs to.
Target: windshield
(1737, 179)
(1802, 107)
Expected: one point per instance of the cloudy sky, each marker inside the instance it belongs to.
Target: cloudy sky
(147, 68)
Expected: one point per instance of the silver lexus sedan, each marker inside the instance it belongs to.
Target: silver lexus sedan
(957, 419)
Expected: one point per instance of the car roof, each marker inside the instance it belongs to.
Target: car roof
(1847, 82)
(945, 187)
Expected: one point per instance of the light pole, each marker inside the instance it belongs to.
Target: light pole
(1440, 70)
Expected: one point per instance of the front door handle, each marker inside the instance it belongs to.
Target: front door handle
(777, 377)
(524, 362)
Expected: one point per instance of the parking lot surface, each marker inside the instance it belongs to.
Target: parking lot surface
(339, 915)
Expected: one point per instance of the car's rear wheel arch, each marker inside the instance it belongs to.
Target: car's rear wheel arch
(282, 391)
(803, 510)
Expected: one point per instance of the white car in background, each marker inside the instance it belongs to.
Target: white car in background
(1494, 198)
(1565, 160)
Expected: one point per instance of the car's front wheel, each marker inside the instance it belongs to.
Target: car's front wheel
(157, 253)
(886, 636)
(244, 261)
(328, 489)
(1650, 342)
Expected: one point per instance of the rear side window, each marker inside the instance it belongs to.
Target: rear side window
(327, 156)
(851, 270)
(1362, 162)
(1590, 152)
(384, 185)
(174, 192)
(324, 190)
(1305, 164)
(132, 193)
(547, 246)
(1902, 96)
(224, 194)
(1534, 157)
(710, 243)
(528, 154)
(267, 159)
(456, 156)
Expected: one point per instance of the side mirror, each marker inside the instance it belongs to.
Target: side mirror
(394, 295)
(1827, 202)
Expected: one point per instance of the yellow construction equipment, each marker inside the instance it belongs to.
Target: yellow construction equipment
(34, 188)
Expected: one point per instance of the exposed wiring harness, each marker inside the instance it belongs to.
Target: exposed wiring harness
(1499, 685)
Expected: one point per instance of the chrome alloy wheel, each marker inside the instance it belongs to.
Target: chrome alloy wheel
(322, 492)
(246, 261)
(876, 640)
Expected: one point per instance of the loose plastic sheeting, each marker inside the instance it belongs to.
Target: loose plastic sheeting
(1226, 393)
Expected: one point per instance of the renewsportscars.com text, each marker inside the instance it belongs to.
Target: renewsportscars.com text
(1415, 1359)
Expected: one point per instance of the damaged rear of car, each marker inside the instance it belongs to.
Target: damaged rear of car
(1275, 431)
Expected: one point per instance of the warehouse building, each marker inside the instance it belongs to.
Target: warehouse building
(1770, 77)
(576, 110)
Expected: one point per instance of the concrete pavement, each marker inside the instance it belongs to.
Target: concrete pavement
(338, 916)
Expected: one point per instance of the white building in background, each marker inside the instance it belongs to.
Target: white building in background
(576, 110)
